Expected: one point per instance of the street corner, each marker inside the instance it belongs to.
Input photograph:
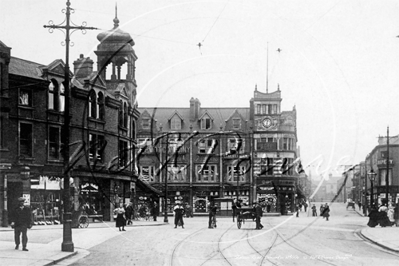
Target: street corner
(385, 237)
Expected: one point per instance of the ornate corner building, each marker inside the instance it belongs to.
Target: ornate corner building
(197, 154)
(102, 131)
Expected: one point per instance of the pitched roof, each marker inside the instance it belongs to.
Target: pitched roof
(25, 68)
(219, 115)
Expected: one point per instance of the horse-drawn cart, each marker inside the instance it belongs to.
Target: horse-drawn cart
(245, 213)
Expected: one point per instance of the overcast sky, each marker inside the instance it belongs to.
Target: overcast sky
(339, 60)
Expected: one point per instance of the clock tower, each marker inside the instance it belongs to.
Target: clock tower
(274, 151)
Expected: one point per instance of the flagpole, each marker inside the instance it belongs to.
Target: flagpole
(267, 68)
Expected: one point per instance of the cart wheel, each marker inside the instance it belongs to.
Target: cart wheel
(83, 222)
(239, 223)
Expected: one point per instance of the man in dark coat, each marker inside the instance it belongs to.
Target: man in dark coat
(179, 212)
(259, 214)
(21, 220)
(128, 213)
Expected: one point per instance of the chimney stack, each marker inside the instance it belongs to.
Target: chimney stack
(83, 67)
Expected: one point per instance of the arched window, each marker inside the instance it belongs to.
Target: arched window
(100, 106)
(121, 114)
(133, 129)
(125, 115)
(52, 92)
(61, 98)
(92, 104)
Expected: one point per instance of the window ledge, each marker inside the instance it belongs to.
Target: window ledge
(96, 120)
(25, 107)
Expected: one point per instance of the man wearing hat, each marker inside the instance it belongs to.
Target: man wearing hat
(21, 220)
(179, 211)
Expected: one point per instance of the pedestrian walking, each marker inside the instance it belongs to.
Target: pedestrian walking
(321, 210)
(21, 221)
(326, 211)
(129, 212)
(259, 214)
(155, 211)
(120, 217)
(314, 211)
(297, 208)
(179, 212)
(359, 203)
(212, 209)
(305, 205)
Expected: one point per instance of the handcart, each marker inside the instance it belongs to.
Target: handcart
(245, 213)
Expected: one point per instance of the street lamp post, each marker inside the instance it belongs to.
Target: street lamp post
(371, 176)
(165, 219)
(67, 244)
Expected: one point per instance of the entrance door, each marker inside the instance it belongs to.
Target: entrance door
(14, 191)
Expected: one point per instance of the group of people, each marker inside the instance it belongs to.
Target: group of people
(124, 214)
(384, 215)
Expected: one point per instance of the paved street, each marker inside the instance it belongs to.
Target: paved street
(284, 241)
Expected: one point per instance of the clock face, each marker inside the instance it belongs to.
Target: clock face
(267, 122)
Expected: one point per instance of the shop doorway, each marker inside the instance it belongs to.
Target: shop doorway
(14, 191)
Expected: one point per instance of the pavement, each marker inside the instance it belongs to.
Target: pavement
(45, 241)
(385, 237)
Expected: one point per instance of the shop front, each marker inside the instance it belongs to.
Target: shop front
(45, 199)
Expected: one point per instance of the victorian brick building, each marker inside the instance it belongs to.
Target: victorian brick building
(206, 153)
(102, 130)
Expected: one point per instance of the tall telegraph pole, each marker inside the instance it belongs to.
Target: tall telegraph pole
(387, 173)
(67, 244)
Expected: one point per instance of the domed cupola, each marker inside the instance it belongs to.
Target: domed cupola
(115, 55)
(115, 35)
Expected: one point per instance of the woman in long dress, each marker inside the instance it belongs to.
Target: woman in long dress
(120, 217)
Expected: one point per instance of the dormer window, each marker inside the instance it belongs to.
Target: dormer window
(145, 123)
(206, 122)
(175, 123)
(236, 123)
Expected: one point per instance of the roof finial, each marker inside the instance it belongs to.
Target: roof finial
(278, 87)
(116, 20)
(256, 87)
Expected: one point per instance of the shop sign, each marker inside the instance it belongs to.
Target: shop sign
(47, 183)
(383, 161)
(89, 187)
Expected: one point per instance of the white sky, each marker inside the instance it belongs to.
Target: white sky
(339, 61)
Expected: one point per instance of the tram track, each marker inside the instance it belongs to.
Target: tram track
(287, 242)
(263, 256)
(173, 255)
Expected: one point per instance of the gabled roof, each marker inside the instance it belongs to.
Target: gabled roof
(219, 116)
(204, 114)
(176, 113)
(234, 115)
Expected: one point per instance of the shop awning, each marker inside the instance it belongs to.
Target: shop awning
(146, 187)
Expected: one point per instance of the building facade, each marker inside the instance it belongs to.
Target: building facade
(197, 154)
(103, 109)
(377, 161)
